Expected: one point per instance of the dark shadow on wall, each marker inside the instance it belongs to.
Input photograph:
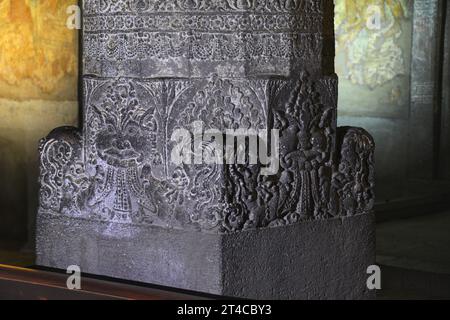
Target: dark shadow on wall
(13, 190)
(22, 125)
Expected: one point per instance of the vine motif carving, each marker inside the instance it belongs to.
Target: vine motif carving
(206, 23)
(199, 46)
(139, 6)
(119, 169)
(270, 37)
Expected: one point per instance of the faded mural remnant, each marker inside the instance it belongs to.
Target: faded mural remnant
(373, 44)
(38, 53)
(38, 91)
(368, 31)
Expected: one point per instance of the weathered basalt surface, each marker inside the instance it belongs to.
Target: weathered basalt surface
(152, 67)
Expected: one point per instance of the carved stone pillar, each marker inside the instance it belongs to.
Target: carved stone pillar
(114, 201)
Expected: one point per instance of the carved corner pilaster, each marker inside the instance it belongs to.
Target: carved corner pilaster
(353, 178)
(61, 170)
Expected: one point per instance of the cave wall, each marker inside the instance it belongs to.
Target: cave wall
(38, 92)
(387, 59)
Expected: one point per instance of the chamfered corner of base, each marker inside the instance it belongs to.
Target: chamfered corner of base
(325, 259)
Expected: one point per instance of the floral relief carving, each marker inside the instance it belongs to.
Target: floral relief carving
(119, 168)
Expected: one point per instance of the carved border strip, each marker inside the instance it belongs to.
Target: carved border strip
(301, 7)
(206, 23)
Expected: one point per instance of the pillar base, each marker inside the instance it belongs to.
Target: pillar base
(324, 259)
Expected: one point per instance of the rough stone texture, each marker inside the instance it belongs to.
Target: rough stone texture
(154, 67)
(310, 260)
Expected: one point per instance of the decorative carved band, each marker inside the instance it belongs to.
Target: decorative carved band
(300, 7)
(120, 170)
(197, 38)
(204, 22)
(201, 46)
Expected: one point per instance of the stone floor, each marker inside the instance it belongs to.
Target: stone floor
(415, 256)
(421, 243)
